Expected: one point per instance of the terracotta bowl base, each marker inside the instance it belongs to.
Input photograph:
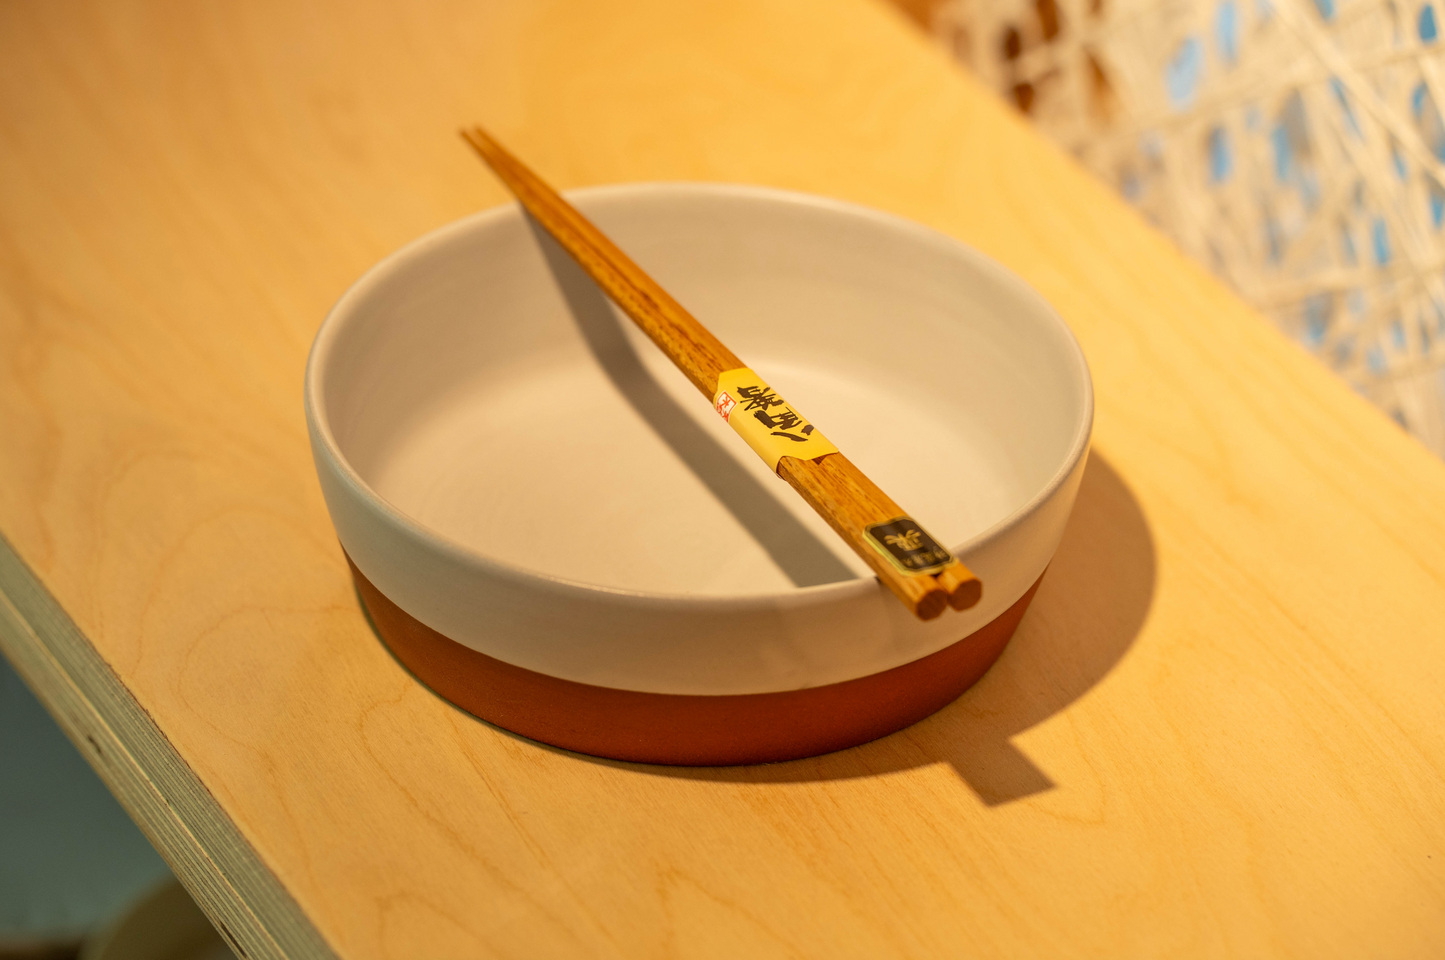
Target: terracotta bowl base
(685, 729)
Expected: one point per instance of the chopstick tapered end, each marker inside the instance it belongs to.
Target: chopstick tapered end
(495, 155)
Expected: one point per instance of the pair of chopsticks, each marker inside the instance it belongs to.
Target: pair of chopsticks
(921, 573)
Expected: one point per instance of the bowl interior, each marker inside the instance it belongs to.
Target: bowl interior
(480, 384)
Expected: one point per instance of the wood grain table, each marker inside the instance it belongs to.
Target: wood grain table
(1220, 731)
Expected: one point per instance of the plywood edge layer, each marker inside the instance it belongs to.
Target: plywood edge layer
(203, 847)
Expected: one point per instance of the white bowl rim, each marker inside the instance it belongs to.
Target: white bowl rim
(320, 426)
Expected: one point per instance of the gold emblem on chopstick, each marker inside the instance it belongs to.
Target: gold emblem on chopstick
(908, 546)
(906, 542)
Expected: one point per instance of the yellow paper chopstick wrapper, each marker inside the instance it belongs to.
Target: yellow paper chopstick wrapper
(765, 420)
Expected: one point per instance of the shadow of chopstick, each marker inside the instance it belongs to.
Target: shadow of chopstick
(793, 547)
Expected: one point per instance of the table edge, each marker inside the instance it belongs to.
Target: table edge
(245, 901)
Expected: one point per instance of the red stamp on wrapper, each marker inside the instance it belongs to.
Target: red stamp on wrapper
(725, 404)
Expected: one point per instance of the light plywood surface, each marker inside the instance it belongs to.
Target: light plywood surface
(1219, 731)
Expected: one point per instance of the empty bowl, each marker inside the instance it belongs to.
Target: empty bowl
(551, 528)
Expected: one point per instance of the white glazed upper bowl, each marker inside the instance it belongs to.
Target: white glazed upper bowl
(513, 464)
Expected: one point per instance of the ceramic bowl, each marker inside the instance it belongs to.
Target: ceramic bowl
(555, 531)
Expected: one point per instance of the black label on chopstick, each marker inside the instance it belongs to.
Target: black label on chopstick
(908, 546)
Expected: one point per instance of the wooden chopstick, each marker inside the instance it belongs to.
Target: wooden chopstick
(877, 529)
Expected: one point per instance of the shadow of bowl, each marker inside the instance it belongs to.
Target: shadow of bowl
(1090, 607)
